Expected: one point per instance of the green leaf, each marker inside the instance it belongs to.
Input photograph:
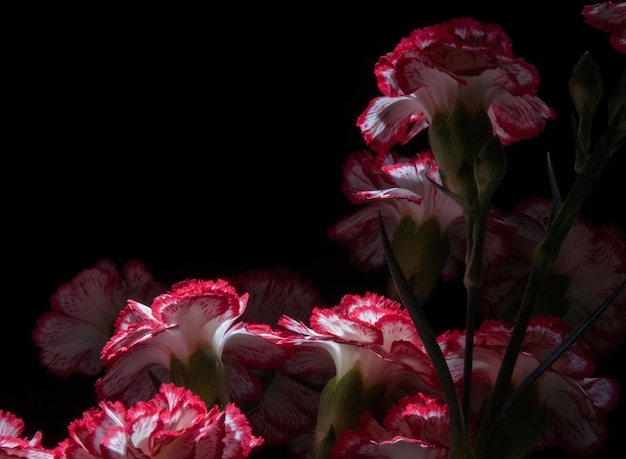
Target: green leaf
(556, 353)
(557, 202)
(429, 339)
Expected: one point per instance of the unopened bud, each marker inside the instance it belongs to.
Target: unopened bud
(585, 86)
(490, 167)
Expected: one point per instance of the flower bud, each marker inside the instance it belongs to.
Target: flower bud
(585, 86)
(586, 89)
(490, 166)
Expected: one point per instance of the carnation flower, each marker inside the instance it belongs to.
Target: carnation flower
(190, 336)
(174, 423)
(291, 393)
(72, 335)
(263, 363)
(460, 80)
(610, 17)
(376, 354)
(434, 68)
(590, 265)
(417, 427)
(13, 445)
(404, 193)
(568, 401)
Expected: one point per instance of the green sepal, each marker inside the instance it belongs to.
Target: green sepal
(339, 408)
(204, 374)
(456, 139)
(441, 144)
(469, 132)
(422, 251)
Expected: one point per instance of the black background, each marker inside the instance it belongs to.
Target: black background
(206, 142)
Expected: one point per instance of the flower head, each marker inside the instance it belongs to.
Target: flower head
(377, 356)
(217, 368)
(462, 61)
(590, 265)
(610, 17)
(229, 335)
(291, 394)
(189, 335)
(396, 187)
(425, 225)
(568, 403)
(13, 445)
(174, 424)
(417, 427)
(371, 332)
(72, 335)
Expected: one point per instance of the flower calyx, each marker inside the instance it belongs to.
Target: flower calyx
(456, 139)
(422, 249)
(204, 374)
(343, 401)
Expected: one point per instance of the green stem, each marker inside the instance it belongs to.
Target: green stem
(477, 230)
(470, 321)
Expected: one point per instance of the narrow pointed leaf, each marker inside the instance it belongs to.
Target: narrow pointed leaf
(430, 342)
(557, 202)
(556, 353)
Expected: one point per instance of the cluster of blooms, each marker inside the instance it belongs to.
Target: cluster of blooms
(220, 368)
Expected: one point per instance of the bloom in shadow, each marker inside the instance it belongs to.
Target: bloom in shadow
(426, 226)
(291, 395)
(609, 17)
(72, 335)
(417, 427)
(590, 266)
(564, 408)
